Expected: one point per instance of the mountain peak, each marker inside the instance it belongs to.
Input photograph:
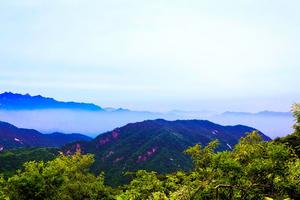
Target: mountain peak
(15, 101)
(151, 144)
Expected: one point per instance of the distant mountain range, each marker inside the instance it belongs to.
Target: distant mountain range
(13, 137)
(12, 101)
(48, 115)
(155, 145)
(151, 144)
(15, 101)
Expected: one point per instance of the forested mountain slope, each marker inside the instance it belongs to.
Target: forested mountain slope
(14, 137)
(155, 145)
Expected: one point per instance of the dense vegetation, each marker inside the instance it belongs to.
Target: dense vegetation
(254, 169)
(293, 140)
(154, 145)
(11, 160)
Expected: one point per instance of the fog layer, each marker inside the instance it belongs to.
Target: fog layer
(96, 122)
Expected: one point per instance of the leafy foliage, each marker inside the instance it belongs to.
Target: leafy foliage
(2, 186)
(293, 140)
(296, 113)
(66, 177)
(255, 169)
(11, 160)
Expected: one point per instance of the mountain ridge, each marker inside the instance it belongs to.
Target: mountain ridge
(93, 122)
(15, 101)
(154, 145)
(13, 137)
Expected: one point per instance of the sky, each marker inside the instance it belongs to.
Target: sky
(158, 55)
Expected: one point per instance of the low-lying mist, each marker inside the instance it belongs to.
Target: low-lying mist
(93, 123)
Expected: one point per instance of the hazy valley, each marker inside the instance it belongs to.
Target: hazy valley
(92, 120)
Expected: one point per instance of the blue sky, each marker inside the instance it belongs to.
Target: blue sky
(154, 55)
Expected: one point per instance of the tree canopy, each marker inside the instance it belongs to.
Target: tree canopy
(253, 170)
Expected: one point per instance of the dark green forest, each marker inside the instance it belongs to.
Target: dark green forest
(254, 169)
(12, 160)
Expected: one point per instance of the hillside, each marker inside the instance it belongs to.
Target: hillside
(14, 137)
(156, 145)
(12, 160)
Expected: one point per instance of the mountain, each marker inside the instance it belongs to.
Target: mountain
(154, 145)
(70, 117)
(12, 101)
(13, 137)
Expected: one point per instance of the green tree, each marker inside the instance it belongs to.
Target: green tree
(293, 178)
(66, 177)
(253, 170)
(296, 113)
(293, 140)
(2, 186)
(144, 186)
